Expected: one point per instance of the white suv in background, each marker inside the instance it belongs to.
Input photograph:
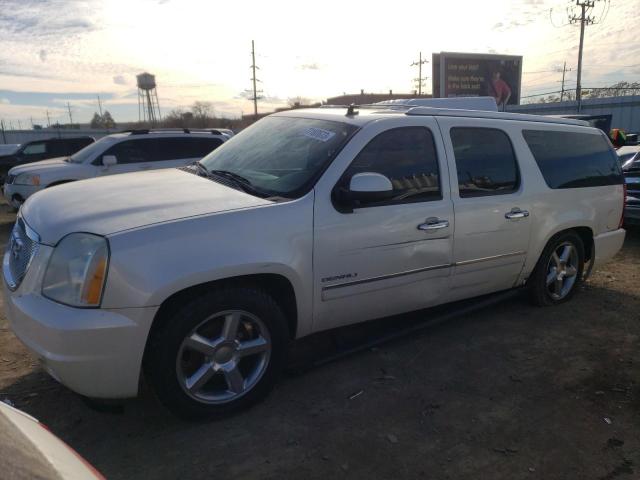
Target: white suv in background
(308, 220)
(124, 152)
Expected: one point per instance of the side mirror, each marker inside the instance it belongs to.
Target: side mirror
(370, 187)
(109, 160)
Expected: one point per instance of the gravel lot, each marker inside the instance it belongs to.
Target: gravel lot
(507, 392)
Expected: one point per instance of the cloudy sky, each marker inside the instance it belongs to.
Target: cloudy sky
(59, 51)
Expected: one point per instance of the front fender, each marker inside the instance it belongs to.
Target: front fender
(150, 264)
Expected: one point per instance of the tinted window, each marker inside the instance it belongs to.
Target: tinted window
(58, 147)
(185, 147)
(35, 148)
(572, 160)
(78, 144)
(133, 151)
(485, 162)
(406, 156)
(201, 147)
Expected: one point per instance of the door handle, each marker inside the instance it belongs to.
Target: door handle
(433, 223)
(516, 213)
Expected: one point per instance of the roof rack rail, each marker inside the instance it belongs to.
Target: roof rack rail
(144, 131)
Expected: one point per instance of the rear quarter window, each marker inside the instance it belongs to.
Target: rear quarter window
(572, 159)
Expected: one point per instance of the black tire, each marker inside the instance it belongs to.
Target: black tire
(540, 293)
(162, 367)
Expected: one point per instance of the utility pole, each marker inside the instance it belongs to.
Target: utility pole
(70, 117)
(99, 106)
(585, 19)
(420, 79)
(48, 120)
(564, 71)
(31, 119)
(19, 125)
(254, 80)
(4, 136)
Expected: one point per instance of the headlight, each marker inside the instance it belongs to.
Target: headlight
(27, 179)
(77, 270)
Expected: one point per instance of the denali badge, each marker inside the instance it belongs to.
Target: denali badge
(339, 277)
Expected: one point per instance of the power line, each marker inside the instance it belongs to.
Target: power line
(420, 80)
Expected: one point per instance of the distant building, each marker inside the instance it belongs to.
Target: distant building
(368, 98)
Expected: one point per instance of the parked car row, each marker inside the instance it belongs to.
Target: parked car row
(630, 161)
(201, 277)
(124, 152)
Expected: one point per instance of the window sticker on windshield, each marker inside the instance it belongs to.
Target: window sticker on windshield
(318, 134)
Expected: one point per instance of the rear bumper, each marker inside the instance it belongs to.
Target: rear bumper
(607, 245)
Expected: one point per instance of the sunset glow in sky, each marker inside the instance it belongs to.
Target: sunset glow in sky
(56, 51)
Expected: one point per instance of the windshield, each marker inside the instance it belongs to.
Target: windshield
(91, 150)
(281, 155)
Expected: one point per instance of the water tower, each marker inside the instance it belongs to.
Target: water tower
(148, 106)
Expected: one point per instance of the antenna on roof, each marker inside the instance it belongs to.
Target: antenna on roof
(351, 110)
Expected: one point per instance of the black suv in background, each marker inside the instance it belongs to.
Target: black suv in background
(41, 150)
(631, 169)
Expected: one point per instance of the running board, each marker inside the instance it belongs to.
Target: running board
(455, 310)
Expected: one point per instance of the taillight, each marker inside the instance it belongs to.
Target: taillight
(624, 203)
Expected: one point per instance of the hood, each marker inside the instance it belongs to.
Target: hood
(35, 167)
(120, 202)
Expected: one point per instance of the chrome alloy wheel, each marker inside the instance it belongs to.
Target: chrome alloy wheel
(223, 357)
(562, 270)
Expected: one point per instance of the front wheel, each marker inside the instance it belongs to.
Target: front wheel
(559, 270)
(220, 353)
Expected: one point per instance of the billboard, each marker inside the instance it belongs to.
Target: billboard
(477, 75)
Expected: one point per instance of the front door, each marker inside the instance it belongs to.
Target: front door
(491, 204)
(132, 155)
(381, 258)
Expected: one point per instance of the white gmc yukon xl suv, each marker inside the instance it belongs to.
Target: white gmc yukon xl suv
(308, 220)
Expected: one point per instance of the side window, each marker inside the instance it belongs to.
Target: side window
(573, 160)
(485, 162)
(133, 151)
(178, 148)
(406, 156)
(78, 144)
(202, 147)
(35, 148)
(58, 148)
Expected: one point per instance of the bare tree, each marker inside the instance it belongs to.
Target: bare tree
(202, 112)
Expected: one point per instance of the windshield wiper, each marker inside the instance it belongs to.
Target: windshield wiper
(231, 175)
(201, 168)
(242, 182)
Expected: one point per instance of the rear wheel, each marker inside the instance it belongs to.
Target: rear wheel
(220, 353)
(559, 270)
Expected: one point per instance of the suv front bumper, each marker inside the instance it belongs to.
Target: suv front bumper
(17, 194)
(95, 352)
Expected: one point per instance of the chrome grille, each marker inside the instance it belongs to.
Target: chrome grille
(23, 246)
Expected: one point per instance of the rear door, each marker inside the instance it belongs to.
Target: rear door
(383, 258)
(492, 222)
